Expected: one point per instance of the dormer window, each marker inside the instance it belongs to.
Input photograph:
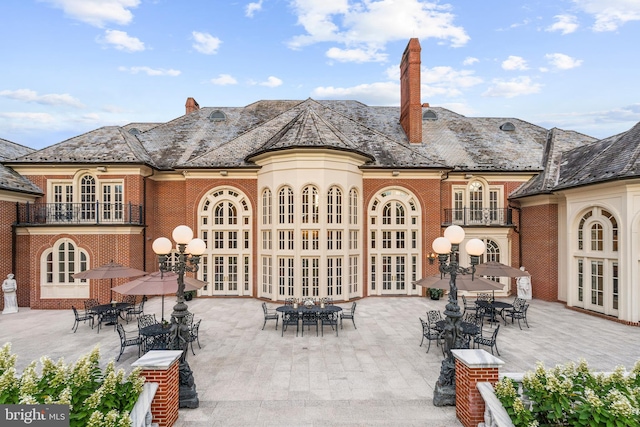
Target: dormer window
(217, 116)
(429, 115)
(134, 131)
(508, 126)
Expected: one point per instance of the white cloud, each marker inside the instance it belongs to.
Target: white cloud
(374, 23)
(205, 43)
(151, 71)
(514, 63)
(252, 8)
(562, 61)
(446, 81)
(356, 55)
(512, 88)
(271, 82)
(610, 14)
(470, 60)
(382, 93)
(98, 12)
(566, 24)
(28, 95)
(223, 80)
(20, 120)
(122, 41)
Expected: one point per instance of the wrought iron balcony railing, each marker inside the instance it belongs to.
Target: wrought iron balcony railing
(78, 213)
(486, 216)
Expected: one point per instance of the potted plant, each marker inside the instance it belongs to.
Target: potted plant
(188, 295)
(435, 293)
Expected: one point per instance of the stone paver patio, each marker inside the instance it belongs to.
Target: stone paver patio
(374, 375)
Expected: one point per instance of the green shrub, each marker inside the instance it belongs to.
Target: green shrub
(95, 398)
(572, 395)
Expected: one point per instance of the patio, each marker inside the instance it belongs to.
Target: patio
(374, 375)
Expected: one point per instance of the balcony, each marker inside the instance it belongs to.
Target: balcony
(478, 217)
(78, 214)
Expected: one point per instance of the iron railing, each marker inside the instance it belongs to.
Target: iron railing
(78, 213)
(471, 217)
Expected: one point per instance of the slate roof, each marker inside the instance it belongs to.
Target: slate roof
(231, 137)
(597, 161)
(9, 179)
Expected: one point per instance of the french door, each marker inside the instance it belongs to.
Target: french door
(394, 275)
(225, 275)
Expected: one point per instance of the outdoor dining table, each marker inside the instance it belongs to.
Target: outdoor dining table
(494, 307)
(116, 308)
(155, 337)
(317, 310)
(468, 328)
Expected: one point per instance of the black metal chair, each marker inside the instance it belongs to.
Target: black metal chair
(290, 319)
(135, 311)
(519, 311)
(109, 317)
(350, 315)
(88, 307)
(269, 314)
(127, 342)
(429, 333)
(468, 305)
(488, 341)
(329, 318)
(81, 318)
(194, 331)
(146, 320)
(309, 319)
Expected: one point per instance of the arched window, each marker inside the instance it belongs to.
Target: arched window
(596, 263)
(353, 207)
(266, 207)
(394, 243)
(88, 198)
(475, 201)
(285, 205)
(310, 205)
(334, 206)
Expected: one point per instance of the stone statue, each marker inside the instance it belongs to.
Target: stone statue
(9, 288)
(524, 286)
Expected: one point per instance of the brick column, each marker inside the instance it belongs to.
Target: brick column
(472, 367)
(162, 367)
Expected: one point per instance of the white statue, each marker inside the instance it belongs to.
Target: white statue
(524, 286)
(9, 288)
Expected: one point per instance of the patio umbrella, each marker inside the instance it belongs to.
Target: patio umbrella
(496, 269)
(158, 283)
(463, 283)
(111, 270)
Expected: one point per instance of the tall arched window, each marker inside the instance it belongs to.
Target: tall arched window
(266, 207)
(596, 262)
(285, 206)
(225, 225)
(353, 206)
(88, 198)
(478, 203)
(394, 226)
(310, 205)
(334, 206)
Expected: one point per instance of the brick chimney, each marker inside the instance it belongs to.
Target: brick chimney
(410, 105)
(191, 106)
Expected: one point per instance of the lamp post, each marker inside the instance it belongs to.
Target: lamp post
(447, 248)
(189, 252)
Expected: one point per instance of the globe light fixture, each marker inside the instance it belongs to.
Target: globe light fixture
(447, 248)
(189, 252)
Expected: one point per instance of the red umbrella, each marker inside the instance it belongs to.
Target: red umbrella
(158, 283)
(112, 270)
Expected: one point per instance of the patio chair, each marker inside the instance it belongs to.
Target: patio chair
(433, 317)
(488, 341)
(126, 341)
(269, 314)
(484, 297)
(429, 333)
(350, 315)
(135, 311)
(519, 311)
(129, 299)
(309, 320)
(289, 319)
(468, 305)
(81, 318)
(146, 320)
(194, 331)
(329, 318)
(88, 306)
(109, 317)
(288, 301)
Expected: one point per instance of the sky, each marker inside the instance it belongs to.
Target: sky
(70, 66)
